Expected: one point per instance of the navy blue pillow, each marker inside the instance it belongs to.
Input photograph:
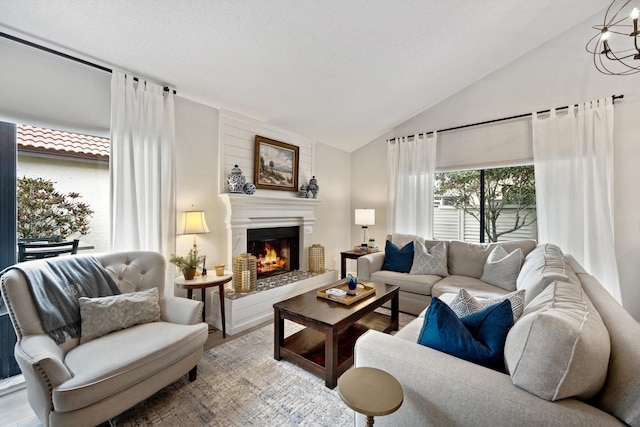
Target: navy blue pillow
(478, 338)
(396, 259)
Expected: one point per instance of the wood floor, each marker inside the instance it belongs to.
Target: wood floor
(14, 407)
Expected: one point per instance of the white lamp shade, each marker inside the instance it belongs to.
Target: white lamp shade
(195, 223)
(365, 216)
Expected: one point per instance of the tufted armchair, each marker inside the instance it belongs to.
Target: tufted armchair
(89, 383)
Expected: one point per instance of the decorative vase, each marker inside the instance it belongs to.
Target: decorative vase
(189, 273)
(245, 275)
(303, 191)
(352, 282)
(235, 180)
(316, 258)
(249, 188)
(313, 188)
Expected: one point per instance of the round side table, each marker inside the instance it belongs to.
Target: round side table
(370, 391)
(203, 282)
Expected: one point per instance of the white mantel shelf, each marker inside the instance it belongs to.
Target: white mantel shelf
(269, 202)
(257, 211)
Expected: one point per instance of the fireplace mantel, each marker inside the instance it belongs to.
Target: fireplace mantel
(258, 211)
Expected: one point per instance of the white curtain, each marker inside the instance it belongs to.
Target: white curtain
(411, 167)
(573, 157)
(142, 167)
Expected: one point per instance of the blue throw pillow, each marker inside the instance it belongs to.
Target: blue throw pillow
(396, 259)
(478, 338)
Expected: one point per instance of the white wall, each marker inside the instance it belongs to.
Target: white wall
(369, 189)
(556, 74)
(332, 168)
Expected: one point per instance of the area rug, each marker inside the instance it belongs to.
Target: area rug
(241, 384)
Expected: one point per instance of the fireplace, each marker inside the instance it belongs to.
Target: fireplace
(247, 214)
(277, 249)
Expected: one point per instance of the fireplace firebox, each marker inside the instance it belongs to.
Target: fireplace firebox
(277, 249)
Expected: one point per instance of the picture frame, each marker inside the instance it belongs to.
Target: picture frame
(275, 165)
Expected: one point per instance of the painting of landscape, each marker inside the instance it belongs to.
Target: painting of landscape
(276, 165)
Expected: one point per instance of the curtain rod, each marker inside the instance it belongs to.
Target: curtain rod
(519, 116)
(64, 55)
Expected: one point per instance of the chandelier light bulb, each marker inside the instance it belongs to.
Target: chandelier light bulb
(605, 35)
(635, 13)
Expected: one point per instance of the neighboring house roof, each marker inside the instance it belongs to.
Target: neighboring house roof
(43, 140)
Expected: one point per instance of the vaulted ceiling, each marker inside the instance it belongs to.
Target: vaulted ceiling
(341, 72)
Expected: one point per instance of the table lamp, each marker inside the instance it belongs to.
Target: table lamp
(195, 223)
(365, 217)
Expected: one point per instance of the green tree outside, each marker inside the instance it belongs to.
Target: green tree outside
(45, 212)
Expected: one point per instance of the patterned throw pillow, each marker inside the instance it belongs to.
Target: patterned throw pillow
(465, 304)
(430, 262)
(100, 316)
(502, 268)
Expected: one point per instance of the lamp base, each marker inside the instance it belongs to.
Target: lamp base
(365, 235)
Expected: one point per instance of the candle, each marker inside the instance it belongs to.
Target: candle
(246, 280)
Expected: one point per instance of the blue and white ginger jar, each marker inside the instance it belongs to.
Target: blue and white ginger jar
(313, 188)
(235, 180)
(249, 188)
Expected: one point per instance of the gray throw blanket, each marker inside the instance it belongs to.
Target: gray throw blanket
(56, 285)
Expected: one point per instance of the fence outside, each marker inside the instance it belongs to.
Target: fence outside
(450, 223)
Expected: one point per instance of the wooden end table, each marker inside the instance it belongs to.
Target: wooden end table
(344, 255)
(202, 283)
(371, 392)
(325, 346)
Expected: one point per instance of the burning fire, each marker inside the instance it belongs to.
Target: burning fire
(269, 261)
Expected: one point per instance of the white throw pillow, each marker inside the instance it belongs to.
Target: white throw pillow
(502, 268)
(100, 316)
(432, 261)
(465, 304)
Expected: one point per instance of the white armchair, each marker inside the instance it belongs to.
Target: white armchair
(89, 383)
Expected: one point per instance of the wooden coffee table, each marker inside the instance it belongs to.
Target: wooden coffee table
(325, 346)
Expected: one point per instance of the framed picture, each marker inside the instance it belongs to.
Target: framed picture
(275, 165)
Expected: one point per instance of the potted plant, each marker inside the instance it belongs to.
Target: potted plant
(188, 264)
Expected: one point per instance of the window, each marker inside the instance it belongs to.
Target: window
(73, 163)
(487, 205)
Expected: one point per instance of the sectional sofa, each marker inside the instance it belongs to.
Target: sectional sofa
(571, 359)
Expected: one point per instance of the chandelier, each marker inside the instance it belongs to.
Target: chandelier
(615, 47)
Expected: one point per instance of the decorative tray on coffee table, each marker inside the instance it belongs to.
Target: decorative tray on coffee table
(362, 291)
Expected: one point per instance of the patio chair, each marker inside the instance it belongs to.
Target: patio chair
(38, 249)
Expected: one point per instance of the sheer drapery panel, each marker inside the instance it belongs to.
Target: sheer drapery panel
(573, 157)
(142, 167)
(411, 163)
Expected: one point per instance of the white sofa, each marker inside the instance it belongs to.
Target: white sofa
(75, 384)
(442, 390)
(465, 263)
